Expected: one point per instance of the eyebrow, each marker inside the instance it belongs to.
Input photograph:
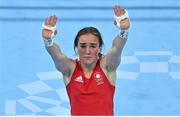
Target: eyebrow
(90, 43)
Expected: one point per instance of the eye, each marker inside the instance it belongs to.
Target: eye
(93, 46)
(83, 46)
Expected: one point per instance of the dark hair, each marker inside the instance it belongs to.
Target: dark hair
(89, 30)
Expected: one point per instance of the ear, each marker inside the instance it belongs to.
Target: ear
(76, 51)
(99, 51)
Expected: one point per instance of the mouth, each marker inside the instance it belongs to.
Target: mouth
(87, 57)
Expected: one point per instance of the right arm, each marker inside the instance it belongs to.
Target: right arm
(64, 64)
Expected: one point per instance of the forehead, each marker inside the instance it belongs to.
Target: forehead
(88, 38)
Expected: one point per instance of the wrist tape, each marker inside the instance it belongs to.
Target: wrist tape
(48, 42)
(124, 34)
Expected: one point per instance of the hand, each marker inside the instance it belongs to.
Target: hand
(49, 22)
(118, 11)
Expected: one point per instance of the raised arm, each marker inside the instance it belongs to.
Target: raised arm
(113, 57)
(62, 63)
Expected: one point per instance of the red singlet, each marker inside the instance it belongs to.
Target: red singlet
(92, 96)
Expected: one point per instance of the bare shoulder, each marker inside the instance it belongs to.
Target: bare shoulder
(71, 64)
(111, 74)
(110, 62)
(67, 74)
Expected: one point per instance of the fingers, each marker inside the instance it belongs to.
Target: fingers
(46, 22)
(118, 10)
(51, 21)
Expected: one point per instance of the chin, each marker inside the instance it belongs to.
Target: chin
(88, 62)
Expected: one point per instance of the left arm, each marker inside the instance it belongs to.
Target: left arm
(113, 57)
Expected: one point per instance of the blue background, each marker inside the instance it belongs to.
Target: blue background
(149, 75)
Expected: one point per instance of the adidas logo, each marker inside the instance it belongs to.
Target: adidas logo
(79, 79)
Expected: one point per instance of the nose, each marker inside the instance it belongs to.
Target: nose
(87, 50)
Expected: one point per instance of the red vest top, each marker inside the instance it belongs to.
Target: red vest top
(92, 96)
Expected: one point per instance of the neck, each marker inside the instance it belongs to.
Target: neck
(88, 67)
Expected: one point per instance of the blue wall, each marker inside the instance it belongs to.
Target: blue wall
(149, 75)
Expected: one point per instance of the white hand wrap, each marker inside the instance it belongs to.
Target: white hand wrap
(118, 19)
(53, 29)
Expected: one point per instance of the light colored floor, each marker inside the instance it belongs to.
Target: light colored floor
(148, 78)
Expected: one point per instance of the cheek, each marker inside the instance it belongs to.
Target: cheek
(96, 51)
(79, 51)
